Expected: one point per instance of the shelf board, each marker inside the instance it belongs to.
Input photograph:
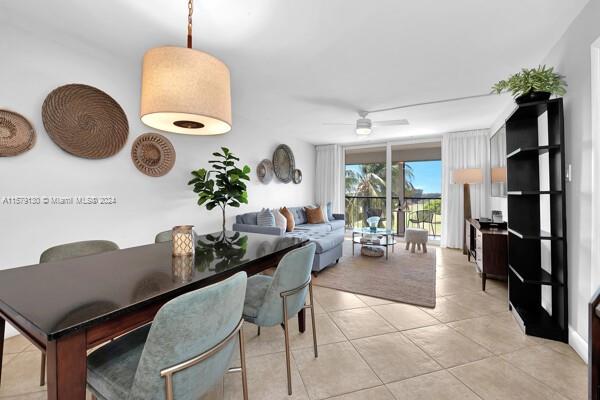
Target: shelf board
(541, 235)
(533, 150)
(536, 277)
(536, 321)
(533, 192)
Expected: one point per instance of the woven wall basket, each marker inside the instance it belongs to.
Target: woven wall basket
(153, 154)
(16, 134)
(85, 121)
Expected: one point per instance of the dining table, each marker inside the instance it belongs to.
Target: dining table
(67, 308)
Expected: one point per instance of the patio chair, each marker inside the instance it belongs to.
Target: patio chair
(422, 217)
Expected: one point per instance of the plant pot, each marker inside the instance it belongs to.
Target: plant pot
(533, 96)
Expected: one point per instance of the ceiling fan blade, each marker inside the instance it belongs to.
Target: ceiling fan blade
(337, 124)
(391, 122)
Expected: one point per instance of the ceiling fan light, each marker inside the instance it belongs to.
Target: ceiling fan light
(185, 91)
(363, 126)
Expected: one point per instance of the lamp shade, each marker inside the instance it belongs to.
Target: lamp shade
(499, 175)
(185, 91)
(467, 175)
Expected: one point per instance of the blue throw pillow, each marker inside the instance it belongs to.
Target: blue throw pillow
(265, 218)
(330, 211)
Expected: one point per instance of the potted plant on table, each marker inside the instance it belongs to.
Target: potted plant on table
(223, 185)
(535, 84)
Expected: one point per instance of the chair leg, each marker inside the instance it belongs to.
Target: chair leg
(243, 363)
(287, 346)
(43, 370)
(312, 317)
(258, 331)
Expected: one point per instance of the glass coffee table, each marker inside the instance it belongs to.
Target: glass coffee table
(380, 237)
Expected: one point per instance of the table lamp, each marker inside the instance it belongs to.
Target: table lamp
(499, 175)
(466, 177)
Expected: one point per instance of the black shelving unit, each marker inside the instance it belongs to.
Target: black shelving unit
(531, 150)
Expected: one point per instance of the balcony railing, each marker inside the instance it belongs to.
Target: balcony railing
(421, 212)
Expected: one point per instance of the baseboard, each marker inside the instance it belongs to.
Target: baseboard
(578, 344)
(10, 331)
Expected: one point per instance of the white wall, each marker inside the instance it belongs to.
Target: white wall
(571, 57)
(32, 66)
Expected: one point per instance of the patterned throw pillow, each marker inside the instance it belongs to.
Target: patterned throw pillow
(280, 220)
(315, 215)
(289, 218)
(265, 218)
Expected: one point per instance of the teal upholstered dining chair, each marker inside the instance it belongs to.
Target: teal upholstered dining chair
(165, 236)
(273, 300)
(181, 355)
(64, 252)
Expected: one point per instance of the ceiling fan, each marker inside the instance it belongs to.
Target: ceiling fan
(364, 124)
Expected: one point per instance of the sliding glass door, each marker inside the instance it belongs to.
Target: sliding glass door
(365, 187)
(405, 194)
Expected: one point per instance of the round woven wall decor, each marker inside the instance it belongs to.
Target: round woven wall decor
(153, 154)
(16, 134)
(85, 121)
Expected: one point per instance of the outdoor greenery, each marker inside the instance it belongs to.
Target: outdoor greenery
(223, 185)
(368, 180)
(540, 79)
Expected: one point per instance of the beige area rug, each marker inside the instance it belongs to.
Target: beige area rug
(405, 277)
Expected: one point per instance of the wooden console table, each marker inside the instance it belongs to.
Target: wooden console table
(489, 248)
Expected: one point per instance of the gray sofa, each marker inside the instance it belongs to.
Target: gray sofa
(329, 237)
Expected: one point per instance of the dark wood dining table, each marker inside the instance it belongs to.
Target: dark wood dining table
(66, 308)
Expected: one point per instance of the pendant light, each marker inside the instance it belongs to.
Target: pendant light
(185, 90)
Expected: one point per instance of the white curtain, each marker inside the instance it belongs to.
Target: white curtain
(463, 150)
(330, 176)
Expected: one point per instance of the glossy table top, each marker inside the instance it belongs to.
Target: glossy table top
(63, 296)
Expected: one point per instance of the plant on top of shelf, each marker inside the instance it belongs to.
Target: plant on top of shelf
(533, 84)
(223, 185)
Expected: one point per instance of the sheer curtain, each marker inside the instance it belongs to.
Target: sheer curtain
(463, 150)
(330, 176)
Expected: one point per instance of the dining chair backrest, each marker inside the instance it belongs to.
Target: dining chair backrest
(77, 249)
(163, 236)
(185, 328)
(292, 272)
(166, 236)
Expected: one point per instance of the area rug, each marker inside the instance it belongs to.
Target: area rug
(405, 277)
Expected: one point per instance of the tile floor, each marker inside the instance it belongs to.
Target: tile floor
(467, 348)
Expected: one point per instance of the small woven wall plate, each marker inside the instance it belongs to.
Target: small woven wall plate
(297, 176)
(85, 121)
(264, 171)
(153, 154)
(16, 134)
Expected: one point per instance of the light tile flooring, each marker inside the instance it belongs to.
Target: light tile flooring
(467, 348)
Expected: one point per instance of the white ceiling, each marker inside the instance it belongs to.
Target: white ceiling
(297, 64)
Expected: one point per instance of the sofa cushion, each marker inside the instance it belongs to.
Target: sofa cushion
(314, 227)
(299, 215)
(325, 241)
(250, 218)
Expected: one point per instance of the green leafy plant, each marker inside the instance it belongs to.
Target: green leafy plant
(223, 185)
(540, 79)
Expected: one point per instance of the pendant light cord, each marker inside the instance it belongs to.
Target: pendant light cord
(189, 33)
